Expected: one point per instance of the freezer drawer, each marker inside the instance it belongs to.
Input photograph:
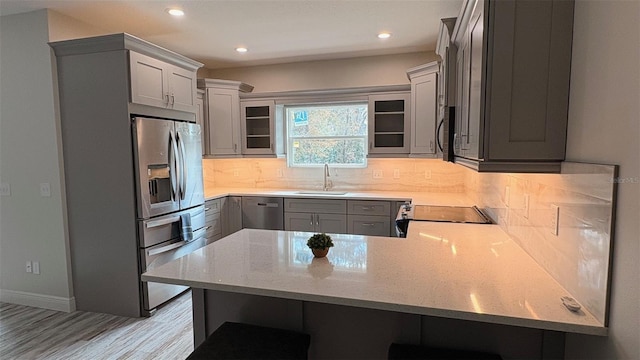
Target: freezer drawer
(155, 294)
(163, 228)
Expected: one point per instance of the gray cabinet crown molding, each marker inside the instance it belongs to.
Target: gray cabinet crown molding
(326, 92)
(431, 67)
(122, 41)
(225, 84)
(450, 24)
(463, 19)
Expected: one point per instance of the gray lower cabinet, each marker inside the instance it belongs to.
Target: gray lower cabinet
(232, 213)
(369, 217)
(360, 217)
(315, 215)
(213, 219)
(314, 222)
(368, 225)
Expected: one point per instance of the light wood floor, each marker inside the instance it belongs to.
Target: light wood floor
(32, 333)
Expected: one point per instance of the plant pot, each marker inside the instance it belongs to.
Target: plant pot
(319, 253)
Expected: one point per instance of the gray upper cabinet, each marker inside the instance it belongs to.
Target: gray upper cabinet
(222, 116)
(389, 124)
(200, 118)
(513, 68)
(446, 88)
(423, 109)
(262, 131)
(160, 84)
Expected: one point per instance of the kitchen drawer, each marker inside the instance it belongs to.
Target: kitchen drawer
(368, 207)
(368, 225)
(214, 225)
(319, 206)
(212, 206)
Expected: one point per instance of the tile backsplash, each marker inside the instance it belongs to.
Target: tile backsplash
(422, 175)
(578, 256)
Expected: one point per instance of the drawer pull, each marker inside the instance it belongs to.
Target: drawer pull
(368, 224)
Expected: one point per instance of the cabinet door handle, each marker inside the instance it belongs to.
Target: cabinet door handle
(311, 222)
(431, 145)
(370, 145)
(317, 220)
(166, 96)
(235, 147)
(173, 99)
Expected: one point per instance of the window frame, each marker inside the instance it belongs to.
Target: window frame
(345, 100)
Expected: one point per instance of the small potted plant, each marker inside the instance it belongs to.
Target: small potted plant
(320, 244)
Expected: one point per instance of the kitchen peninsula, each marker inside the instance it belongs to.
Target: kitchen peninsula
(443, 284)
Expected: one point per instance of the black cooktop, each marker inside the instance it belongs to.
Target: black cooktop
(447, 214)
(459, 214)
(462, 214)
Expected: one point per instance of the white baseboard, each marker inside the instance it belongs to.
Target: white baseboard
(38, 300)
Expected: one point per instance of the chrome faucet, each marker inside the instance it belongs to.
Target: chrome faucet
(327, 183)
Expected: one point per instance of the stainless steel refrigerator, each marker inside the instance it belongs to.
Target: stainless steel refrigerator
(169, 198)
(132, 193)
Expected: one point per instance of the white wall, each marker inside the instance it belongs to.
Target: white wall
(604, 127)
(33, 227)
(327, 74)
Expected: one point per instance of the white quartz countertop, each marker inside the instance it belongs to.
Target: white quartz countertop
(422, 198)
(462, 271)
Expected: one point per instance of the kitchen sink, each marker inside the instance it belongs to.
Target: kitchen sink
(320, 192)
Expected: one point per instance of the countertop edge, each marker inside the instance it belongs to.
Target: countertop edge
(425, 311)
(427, 198)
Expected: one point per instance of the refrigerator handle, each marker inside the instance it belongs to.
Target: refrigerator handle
(172, 165)
(438, 135)
(196, 236)
(183, 167)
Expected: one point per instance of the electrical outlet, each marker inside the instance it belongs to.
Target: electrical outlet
(526, 206)
(279, 172)
(427, 174)
(555, 219)
(236, 173)
(377, 174)
(36, 267)
(5, 189)
(28, 267)
(45, 190)
(396, 173)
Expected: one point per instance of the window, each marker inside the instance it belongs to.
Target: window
(334, 134)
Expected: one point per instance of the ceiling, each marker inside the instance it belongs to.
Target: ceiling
(274, 31)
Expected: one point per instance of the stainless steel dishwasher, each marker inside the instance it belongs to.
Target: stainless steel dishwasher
(262, 212)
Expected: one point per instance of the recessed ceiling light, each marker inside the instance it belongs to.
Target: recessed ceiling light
(175, 12)
(384, 35)
(241, 49)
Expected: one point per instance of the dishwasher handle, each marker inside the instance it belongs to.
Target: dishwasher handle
(271, 205)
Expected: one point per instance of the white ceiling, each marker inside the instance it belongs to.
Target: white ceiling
(274, 31)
